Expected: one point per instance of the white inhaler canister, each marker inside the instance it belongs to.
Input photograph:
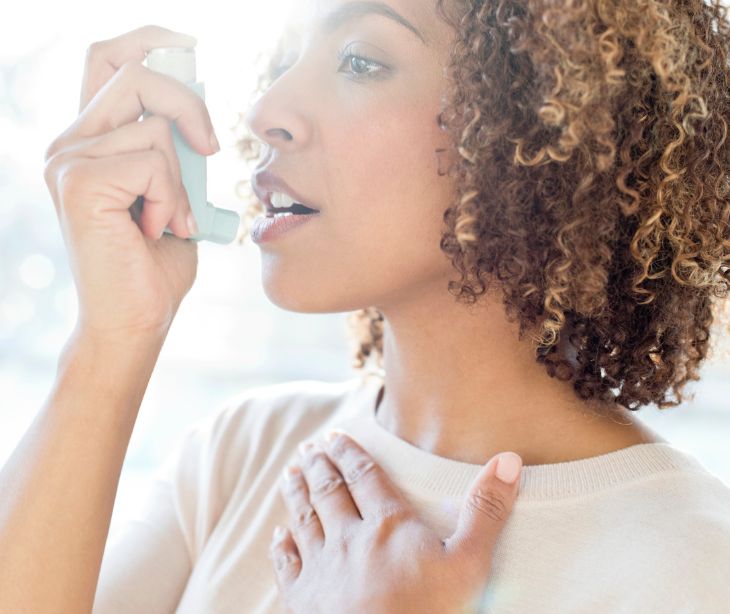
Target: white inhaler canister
(214, 224)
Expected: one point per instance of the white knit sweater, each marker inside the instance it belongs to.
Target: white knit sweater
(644, 529)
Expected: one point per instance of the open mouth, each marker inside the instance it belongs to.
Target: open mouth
(295, 209)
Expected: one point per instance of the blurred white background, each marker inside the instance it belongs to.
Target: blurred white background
(227, 335)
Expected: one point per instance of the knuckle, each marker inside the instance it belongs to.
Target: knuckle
(92, 51)
(489, 502)
(355, 472)
(159, 160)
(390, 512)
(340, 446)
(304, 515)
(50, 150)
(152, 29)
(326, 486)
(313, 457)
(156, 123)
(282, 557)
(70, 177)
(384, 521)
(285, 560)
(295, 489)
(49, 170)
(129, 68)
(159, 125)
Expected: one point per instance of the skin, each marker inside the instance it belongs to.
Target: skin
(458, 382)
(360, 546)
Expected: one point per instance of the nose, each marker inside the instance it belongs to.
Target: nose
(278, 120)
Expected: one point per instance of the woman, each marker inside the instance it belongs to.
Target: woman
(577, 163)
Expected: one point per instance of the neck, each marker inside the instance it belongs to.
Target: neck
(459, 384)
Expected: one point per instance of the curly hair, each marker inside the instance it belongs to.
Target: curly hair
(591, 174)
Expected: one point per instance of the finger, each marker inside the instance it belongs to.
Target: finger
(485, 510)
(153, 132)
(104, 58)
(115, 182)
(306, 527)
(135, 89)
(328, 492)
(371, 489)
(285, 558)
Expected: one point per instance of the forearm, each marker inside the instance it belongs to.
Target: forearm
(57, 489)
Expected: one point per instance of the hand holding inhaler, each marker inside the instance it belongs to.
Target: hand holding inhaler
(130, 278)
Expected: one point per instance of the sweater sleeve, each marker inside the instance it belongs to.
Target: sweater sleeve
(148, 561)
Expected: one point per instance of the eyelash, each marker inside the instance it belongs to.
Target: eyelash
(342, 55)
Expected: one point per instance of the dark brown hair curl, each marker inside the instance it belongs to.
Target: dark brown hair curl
(591, 168)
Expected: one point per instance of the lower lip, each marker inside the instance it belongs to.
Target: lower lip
(269, 228)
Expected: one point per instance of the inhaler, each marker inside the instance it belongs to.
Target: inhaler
(214, 224)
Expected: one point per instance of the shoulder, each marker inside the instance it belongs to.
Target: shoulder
(681, 536)
(252, 430)
(251, 427)
(664, 539)
(700, 516)
(692, 547)
(686, 500)
(282, 406)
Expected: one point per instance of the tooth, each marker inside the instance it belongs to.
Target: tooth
(281, 201)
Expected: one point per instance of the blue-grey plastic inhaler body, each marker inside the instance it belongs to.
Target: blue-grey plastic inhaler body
(214, 224)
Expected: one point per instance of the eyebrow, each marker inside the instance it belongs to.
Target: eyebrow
(354, 10)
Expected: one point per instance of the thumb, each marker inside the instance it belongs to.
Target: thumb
(486, 509)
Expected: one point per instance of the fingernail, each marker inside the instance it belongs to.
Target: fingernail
(304, 447)
(162, 232)
(331, 436)
(508, 467)
(278, 532)
(214, 142)
(289, 472)
(192, 226)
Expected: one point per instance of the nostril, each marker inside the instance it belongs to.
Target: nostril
(286, 134)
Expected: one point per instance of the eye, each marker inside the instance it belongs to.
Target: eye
(362, 66)
(360, 63)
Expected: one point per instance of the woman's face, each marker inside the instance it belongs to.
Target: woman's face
(357, 139)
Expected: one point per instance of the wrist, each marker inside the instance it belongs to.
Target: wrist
(130, 340)
(119, 366)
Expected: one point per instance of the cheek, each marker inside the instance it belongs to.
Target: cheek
(391, 177)
(357, 257)
(380, 232)
(389, 228)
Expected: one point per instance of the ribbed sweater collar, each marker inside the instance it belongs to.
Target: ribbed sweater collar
(430, 476)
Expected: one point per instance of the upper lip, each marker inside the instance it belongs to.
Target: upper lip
(266, 182)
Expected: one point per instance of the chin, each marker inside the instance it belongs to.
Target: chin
(298, 293)
(308, 294)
